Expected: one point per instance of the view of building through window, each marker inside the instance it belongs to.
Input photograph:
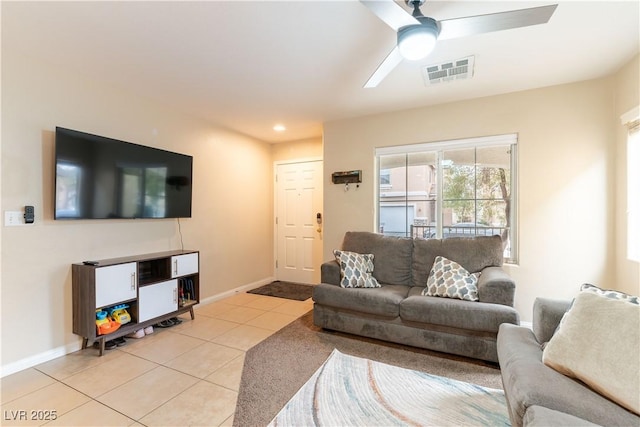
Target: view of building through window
(452, 190)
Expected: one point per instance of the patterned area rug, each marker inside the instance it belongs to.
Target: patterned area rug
(288, 290)
(353, 391)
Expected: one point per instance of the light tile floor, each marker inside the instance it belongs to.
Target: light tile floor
(188, 374)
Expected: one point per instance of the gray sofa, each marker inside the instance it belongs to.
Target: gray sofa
(398, 312)
(540, 396)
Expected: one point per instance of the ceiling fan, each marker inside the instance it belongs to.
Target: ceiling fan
(417, 34)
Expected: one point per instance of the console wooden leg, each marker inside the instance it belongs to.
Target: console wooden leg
(85, 343)
(193, 316)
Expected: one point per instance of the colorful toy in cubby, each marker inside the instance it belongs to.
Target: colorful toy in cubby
(104, 324)
(101, 317)
(119, 314)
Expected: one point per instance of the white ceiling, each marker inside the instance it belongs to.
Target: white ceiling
(248, 65)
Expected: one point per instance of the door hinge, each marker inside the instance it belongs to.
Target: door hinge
(276, 263)
(276, 220)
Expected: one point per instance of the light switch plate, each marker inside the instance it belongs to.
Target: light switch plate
(13, 218)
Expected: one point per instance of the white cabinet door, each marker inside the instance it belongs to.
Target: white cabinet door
(157, 299)
(182, 265)
(115, 283)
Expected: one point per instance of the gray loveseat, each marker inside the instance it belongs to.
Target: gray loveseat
(398, 312)
(537, 395)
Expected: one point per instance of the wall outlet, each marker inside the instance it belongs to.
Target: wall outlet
(13, 218)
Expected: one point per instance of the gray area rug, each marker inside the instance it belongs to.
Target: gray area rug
(288, 290)
(275, 369)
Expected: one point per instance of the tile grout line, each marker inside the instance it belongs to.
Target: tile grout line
(164, 364)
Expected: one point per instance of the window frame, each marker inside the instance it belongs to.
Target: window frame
(631, 120)
(438, 148)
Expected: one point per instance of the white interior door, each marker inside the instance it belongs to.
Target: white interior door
(298, 233)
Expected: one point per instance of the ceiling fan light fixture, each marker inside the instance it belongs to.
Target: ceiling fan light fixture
(417, 41)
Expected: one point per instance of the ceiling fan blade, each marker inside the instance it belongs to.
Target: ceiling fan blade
(390, 12)
(470, 25)
(389, 63)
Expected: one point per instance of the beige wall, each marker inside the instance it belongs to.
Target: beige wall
(627, 87)
(230, 232)
(570, 144)
(297, 150)
(567, 180)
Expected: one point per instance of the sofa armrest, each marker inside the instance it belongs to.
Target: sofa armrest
(495, 286)
(547, 314)
(330, 272)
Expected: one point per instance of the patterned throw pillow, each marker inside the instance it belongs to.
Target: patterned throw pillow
(356, 269)
(609, 293)
(449, 279)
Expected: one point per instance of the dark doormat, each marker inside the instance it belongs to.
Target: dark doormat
(288, 290)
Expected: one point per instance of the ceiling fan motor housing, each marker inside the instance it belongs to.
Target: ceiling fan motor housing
(417, 41)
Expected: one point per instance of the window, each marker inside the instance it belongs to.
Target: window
(632, 121)
(449, 189)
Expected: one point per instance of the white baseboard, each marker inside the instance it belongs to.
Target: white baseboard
(37, 359)
(238, 290)
(31, 361)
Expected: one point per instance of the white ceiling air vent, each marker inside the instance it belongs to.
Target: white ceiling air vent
(460, 69)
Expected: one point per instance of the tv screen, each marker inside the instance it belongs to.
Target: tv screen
(103, 178)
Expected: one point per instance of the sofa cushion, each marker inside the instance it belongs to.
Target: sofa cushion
(450, 279)
(383, 301)
(473, 316)
(473, 253)
(597, 342)
(392, 255)
(355, 270)
(528, 382)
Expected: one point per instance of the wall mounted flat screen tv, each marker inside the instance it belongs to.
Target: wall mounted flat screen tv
(104, 178)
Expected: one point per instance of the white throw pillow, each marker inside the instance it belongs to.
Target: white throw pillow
(449, 279)
(356, 269)
(598, 344)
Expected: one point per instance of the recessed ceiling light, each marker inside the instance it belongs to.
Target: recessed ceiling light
(279, 128)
